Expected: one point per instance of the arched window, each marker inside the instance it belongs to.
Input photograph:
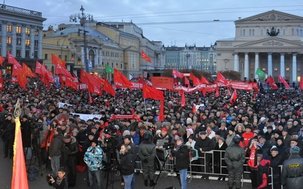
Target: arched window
(91, 57)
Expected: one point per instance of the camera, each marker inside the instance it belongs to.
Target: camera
(49, 179)
(168, 146)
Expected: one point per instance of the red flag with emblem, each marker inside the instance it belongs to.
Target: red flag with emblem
(221, 79)
(195, 80)
(271, 82)
(145, 57)
(120, 80)
(204, 81)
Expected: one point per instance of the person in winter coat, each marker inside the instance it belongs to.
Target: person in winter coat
(247, 135)
(55, 150)
(69, 158)
(218, 156)
(8, 133)
(127, 166)
(235, 158)
(93, 159)
(60, 181)
(204, 144)
(276, 160)
(147, 154)
(292, 173)
(181, 153)
(230, 136)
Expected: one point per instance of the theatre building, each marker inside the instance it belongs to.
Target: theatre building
(271, 41)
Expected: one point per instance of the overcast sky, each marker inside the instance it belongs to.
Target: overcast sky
(146, 12)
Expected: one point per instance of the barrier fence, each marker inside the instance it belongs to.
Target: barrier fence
(211, 163)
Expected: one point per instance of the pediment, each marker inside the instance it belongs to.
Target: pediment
(271, 42)
(271, 16)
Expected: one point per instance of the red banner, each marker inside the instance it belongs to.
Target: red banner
(163, 82)
(119, 117)
(241, 85)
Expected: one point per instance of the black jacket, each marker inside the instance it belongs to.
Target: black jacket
(127, 164)
(182, 157)
(292, 173)
(207, 145)
(56, 146)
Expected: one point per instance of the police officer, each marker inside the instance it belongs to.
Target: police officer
(292, 173)
(235, 158)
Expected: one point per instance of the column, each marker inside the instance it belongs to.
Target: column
(40, 43)
(256, 63)
(269, 64)
(23, 41)
(14, 41)
(282, 65)
(246, 66)
(236, 62)
(3, 45)
(32, 47)
(294, 68)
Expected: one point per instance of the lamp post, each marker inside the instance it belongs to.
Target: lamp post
(83, 18)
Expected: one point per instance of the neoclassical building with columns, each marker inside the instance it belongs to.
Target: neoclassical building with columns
(271, 41)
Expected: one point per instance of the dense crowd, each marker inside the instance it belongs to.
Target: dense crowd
(267, 127)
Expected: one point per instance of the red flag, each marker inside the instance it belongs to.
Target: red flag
(177, 74)
(163, 82)
(22, 80)
(152, 92)
(60, 70)
(221, 79)
(70, 82)
(27, 71)
(93, 83)
(204, 81)
(195, 80)
(11, 60)
(145, 56)
(282, 80)
(183, 100)
(19, 174)
(271, 82)
(38, 69)
(233, 97)
(1, 60)
(57, 61)
(107, 87)
(186, 81)
(301, 82)
(120, 80)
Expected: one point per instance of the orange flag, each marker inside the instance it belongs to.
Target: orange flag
(19, 175)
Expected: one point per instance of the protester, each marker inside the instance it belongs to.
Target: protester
(235, 158)
(127, 166)
(93, 159)
(59, 181)
(292, 173)
(181, 153)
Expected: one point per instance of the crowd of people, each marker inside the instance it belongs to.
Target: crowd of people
(263, 131)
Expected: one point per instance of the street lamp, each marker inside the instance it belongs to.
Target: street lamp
(83, 18)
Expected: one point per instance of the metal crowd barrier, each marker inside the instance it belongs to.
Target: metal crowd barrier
(206, 165)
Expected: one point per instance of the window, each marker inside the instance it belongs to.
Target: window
(121, 66)
(243, 32)
(36, 54)
(27, 31)
(18, 41)
(65, 57)
(36, 43)
(18, 53)
(9, 40)
(27, 54)
(18, 30)
(45, 56)
(27, 42)
(9, 28)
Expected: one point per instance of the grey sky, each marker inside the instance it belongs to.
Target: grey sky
(148, 11)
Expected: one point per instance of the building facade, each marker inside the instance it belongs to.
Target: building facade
(21, 33)
(190, 57)
(68, 44)
(271, 41)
